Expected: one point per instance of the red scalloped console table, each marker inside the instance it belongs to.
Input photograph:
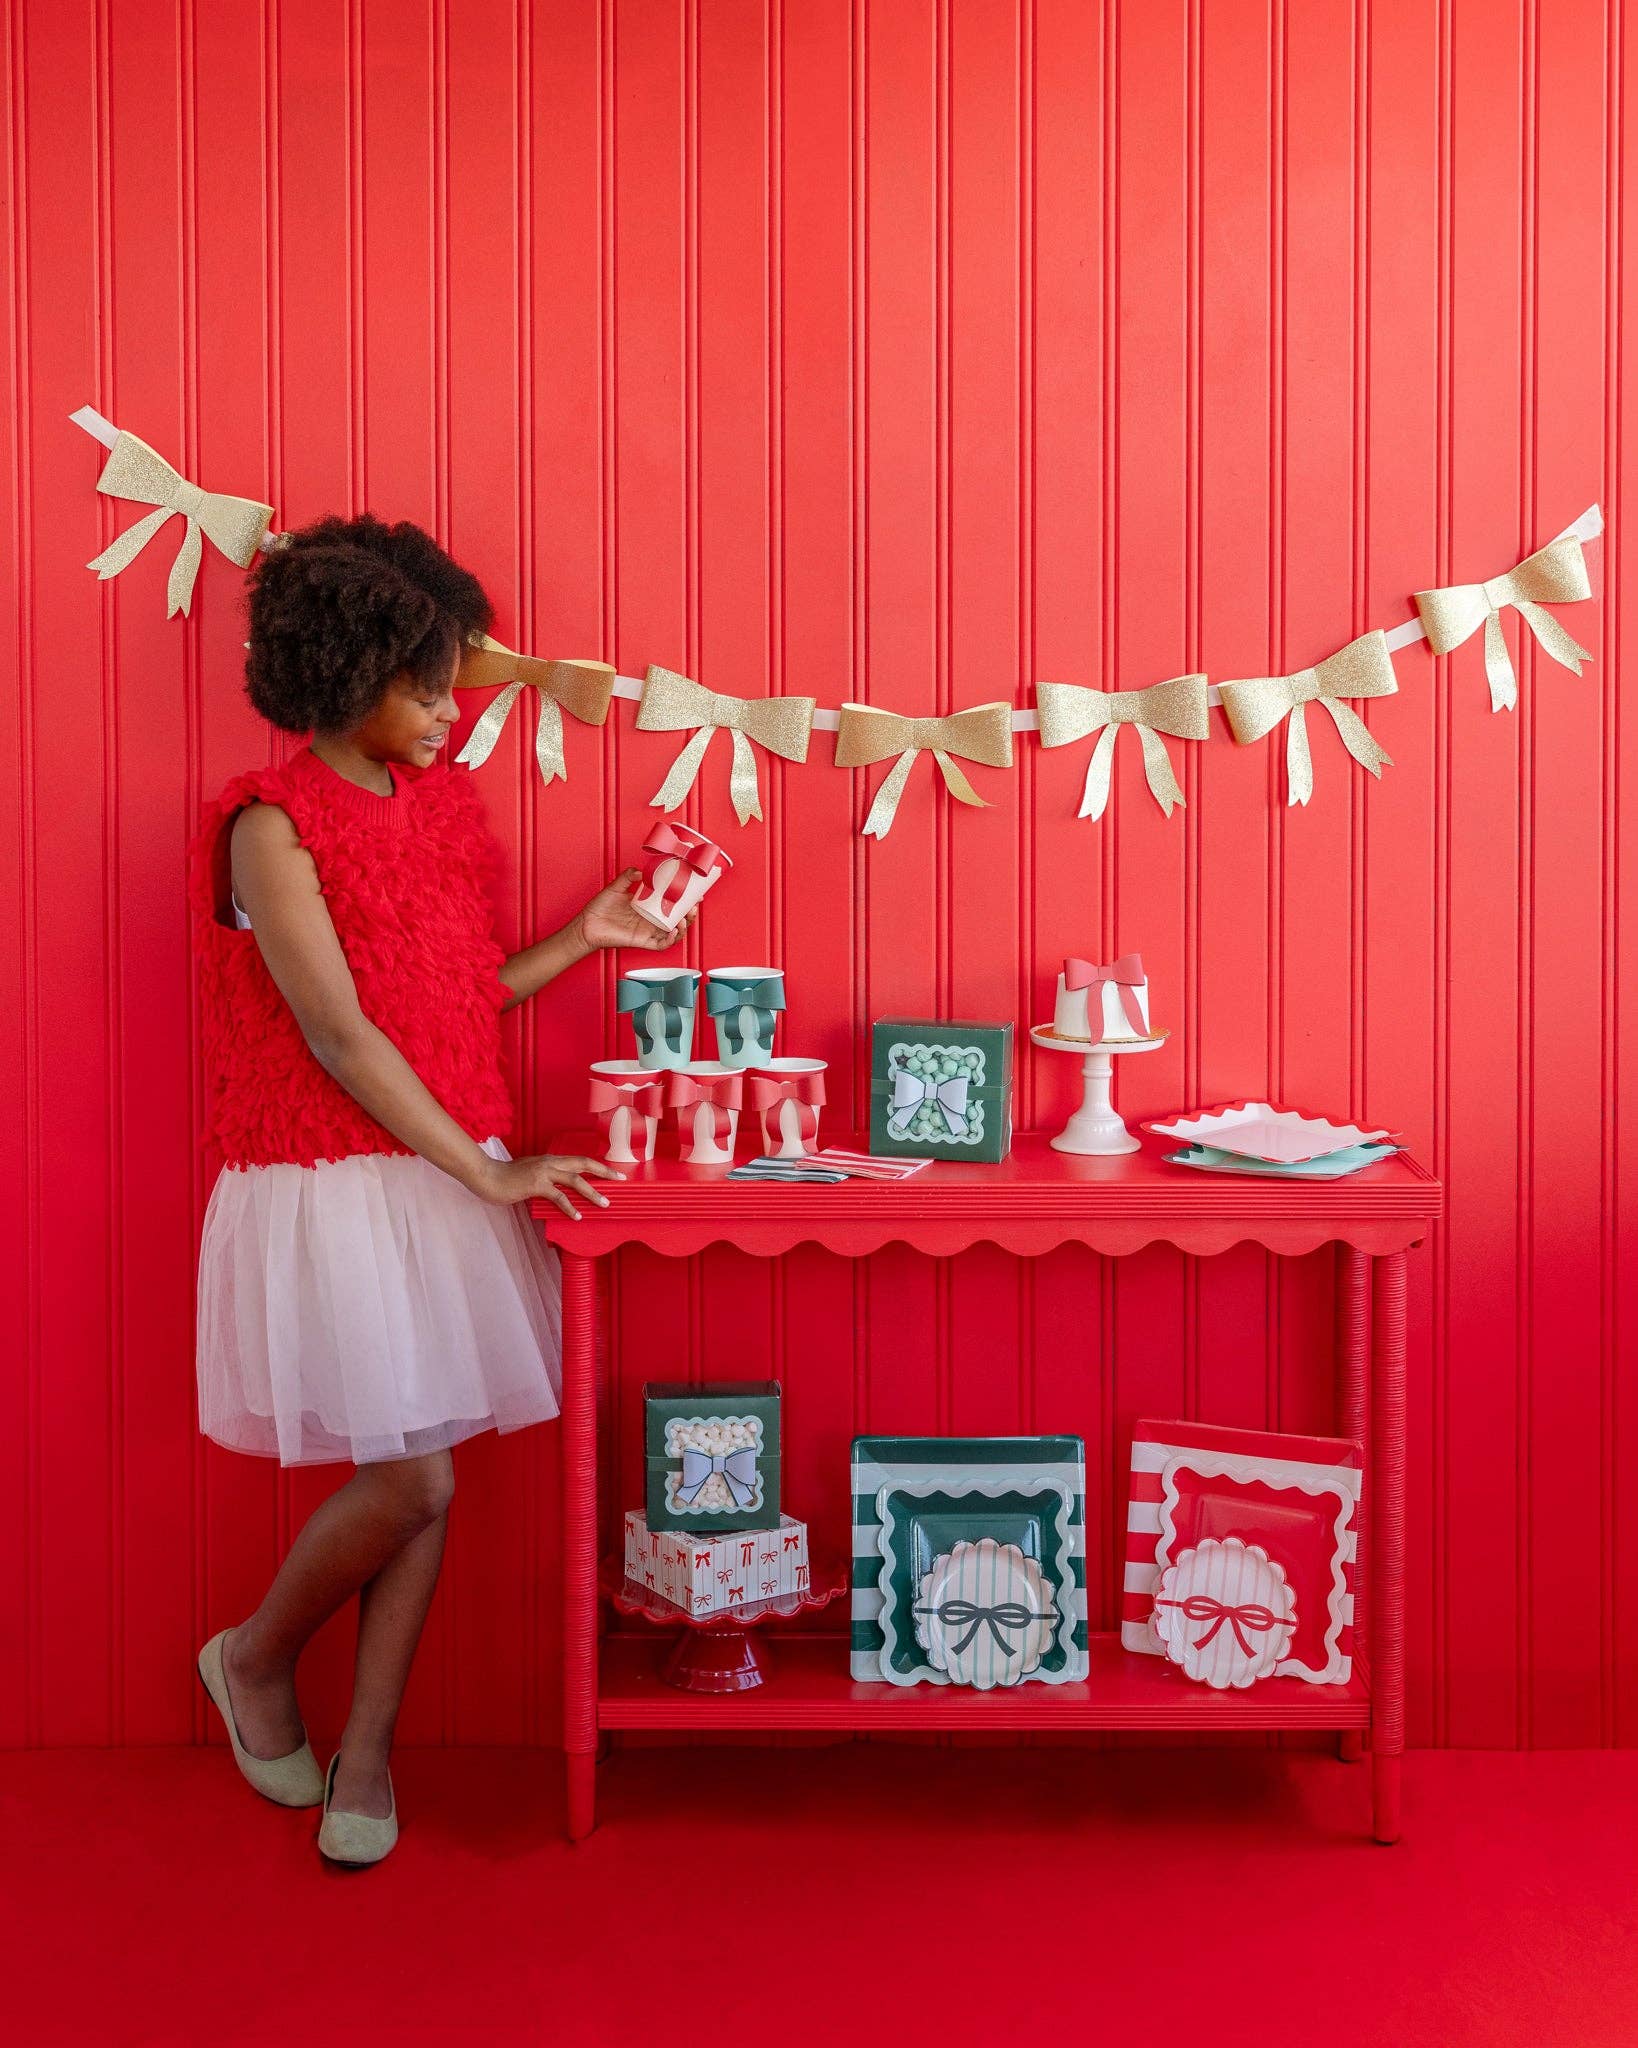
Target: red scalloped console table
(1029, 1204)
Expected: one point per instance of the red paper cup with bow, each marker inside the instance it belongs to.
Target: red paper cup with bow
(788, 1095)
(706, 1097)
(626, 1102)
(679, 865)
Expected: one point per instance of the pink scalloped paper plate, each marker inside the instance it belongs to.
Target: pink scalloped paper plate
(1262, 1130)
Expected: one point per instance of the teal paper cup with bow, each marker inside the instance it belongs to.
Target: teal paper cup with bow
(660, 1001)
(744, 1003)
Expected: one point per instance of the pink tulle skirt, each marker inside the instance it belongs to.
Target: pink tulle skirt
(370, 1308)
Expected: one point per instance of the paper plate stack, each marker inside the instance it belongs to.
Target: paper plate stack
(1284, 1144)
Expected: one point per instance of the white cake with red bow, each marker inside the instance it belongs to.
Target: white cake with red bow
(1104, 1005)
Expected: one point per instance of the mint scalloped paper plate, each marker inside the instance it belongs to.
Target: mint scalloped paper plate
(1331, 1166)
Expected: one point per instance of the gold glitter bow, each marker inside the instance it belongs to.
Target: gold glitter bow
(1555, 574)
(579, 687)
(983, 732)
(671, 702)
(1069, 711)
(1255, 706)
(137, 472)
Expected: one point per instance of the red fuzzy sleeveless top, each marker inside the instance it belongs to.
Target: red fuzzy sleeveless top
(405, 879)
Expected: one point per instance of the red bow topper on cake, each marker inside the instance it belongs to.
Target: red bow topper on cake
(691, 850)
(642, 1098)
(806, 1091)
(720, 1092)
(1253, 1616)
(1126, 974)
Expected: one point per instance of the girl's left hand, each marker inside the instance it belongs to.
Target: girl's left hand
(609, 920)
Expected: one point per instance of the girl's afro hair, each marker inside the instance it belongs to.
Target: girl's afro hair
(338, 608)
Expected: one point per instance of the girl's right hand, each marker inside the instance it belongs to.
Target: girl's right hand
(551, 1175)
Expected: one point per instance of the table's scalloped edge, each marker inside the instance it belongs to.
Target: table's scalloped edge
(1033, 1239)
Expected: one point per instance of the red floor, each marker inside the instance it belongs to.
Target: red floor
(860, 1895)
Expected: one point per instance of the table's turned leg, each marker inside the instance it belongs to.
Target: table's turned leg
(1387, 1481)
(1353, 1354)
(580, 1541)
(604, 1323)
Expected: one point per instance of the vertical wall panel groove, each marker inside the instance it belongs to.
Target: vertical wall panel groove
(102, 202)
(24, 1599)
(1610, 1009)
(871, 352)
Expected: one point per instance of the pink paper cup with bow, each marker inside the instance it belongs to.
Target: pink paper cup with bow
(626, 1103)
(679, 866)
(706, 1097)
(788, 1095)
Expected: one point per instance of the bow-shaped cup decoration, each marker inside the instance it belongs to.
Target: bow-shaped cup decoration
(628, 1108)
(804, 1091)
(672, 703)
(137, 472)
(1124, 975)
(661, 1008)
(1070, 711)
(1555, 574)
(582, 688)
(910, 1091)
(983, 732)
(1256, 705)
(722, 1093)
(737, 1468)
(694, 855)
(644, 1097)
(744, 1008)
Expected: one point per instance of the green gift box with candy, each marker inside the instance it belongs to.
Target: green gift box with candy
(940, 1090)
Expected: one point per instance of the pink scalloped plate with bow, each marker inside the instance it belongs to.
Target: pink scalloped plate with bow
(1263, 1130)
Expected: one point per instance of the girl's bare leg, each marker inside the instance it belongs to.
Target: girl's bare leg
(344, 1543)
(391, 1609)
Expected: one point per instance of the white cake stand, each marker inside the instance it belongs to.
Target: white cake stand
(1094, 1128)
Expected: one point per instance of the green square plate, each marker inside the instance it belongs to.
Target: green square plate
(923, 1520)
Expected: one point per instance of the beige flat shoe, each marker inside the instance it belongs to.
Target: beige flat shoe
(293, 1780)
(356, 1838)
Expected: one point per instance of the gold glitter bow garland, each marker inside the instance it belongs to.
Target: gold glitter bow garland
(671, 703)
(1555, 574)
(136, 472)
(1069, 711)
(582, 688)
(983, 732)
(1256, 705)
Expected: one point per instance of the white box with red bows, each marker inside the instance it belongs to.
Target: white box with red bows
(705, 1574)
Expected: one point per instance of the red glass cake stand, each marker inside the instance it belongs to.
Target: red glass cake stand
(718, 1652)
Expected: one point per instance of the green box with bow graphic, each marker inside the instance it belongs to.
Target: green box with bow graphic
(940, 1090)
(712, 1455)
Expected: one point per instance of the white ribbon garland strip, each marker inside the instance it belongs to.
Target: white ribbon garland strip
(1588, 527)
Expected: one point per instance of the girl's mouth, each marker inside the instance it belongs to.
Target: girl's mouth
(433, 739)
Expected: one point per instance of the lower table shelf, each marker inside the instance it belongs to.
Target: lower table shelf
(808, 1687)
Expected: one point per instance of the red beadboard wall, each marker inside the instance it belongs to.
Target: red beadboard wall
(905, 350)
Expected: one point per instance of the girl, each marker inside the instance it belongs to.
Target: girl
(368, 1288)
